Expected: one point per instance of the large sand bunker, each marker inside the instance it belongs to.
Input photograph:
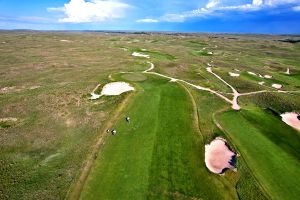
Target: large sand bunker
(292, 119)
(218, 157)
(116, 88)
(112, 89)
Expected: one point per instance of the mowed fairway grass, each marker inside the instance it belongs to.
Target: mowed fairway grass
(270, 148)
(159, 154)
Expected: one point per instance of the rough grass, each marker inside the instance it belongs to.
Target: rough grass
(42, 154)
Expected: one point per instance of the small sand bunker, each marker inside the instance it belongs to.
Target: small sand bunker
(140, 55)
(268, 76)
(233, 74)
(65, 41)
(277, 86)
(261, 83)
(292, 119)
(287, 71)
(252, 73)
(8, 119)
(116, 88)
(210, 53)
(218, 157)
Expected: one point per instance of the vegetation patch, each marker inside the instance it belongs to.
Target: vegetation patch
(135, 77)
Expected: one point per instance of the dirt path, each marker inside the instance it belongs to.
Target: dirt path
(75, 190)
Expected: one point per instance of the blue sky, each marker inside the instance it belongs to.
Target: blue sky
(233, 16)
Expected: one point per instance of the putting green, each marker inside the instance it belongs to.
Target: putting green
(159, 154)
(270, 148)
(135, 77)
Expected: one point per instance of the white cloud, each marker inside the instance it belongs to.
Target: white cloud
(81, 11)
(215, 7)
(147, 20)
(212, 3)
(280, 2)
(296, 8)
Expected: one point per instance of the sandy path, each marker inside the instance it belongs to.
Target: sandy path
(193, 85)
(235, 93)
(75, 190)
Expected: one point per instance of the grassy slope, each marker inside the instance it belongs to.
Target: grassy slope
(159, 155)
(270, 149)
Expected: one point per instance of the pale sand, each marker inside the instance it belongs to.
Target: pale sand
(218, 156)
(261, 83)
(140, 55)
(287, 71)
(112, 89)
(268, 76)
(65, 40)
(277, 86)
(8, 119)
(291, 119)
(210, 53)
(252, 73)
(233, 74)
(116, 88)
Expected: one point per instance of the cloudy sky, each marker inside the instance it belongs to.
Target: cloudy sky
(238, 16)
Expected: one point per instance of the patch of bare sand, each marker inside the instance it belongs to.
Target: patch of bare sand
(277, 86)
(292, 119)
(233, 74)
(8, 119)
(218, 157)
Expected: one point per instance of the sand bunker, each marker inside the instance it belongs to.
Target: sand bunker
(112, 89)
(218, 157)
(261, 83)
(210, 53)
(140, 55)
(287, 71)
(252, 73)
(268, 76)
(277, 86)
(292, 119)
(116, 88)
(233, 74)
(65, 40)
(8, 119)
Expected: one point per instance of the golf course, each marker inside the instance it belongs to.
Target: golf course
(99, 115)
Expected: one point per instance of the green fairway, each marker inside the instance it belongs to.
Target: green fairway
(158, 155)
(270, 148)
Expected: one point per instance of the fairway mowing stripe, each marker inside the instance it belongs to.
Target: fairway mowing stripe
(195, 110)
(237, 149)
(75, 190)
